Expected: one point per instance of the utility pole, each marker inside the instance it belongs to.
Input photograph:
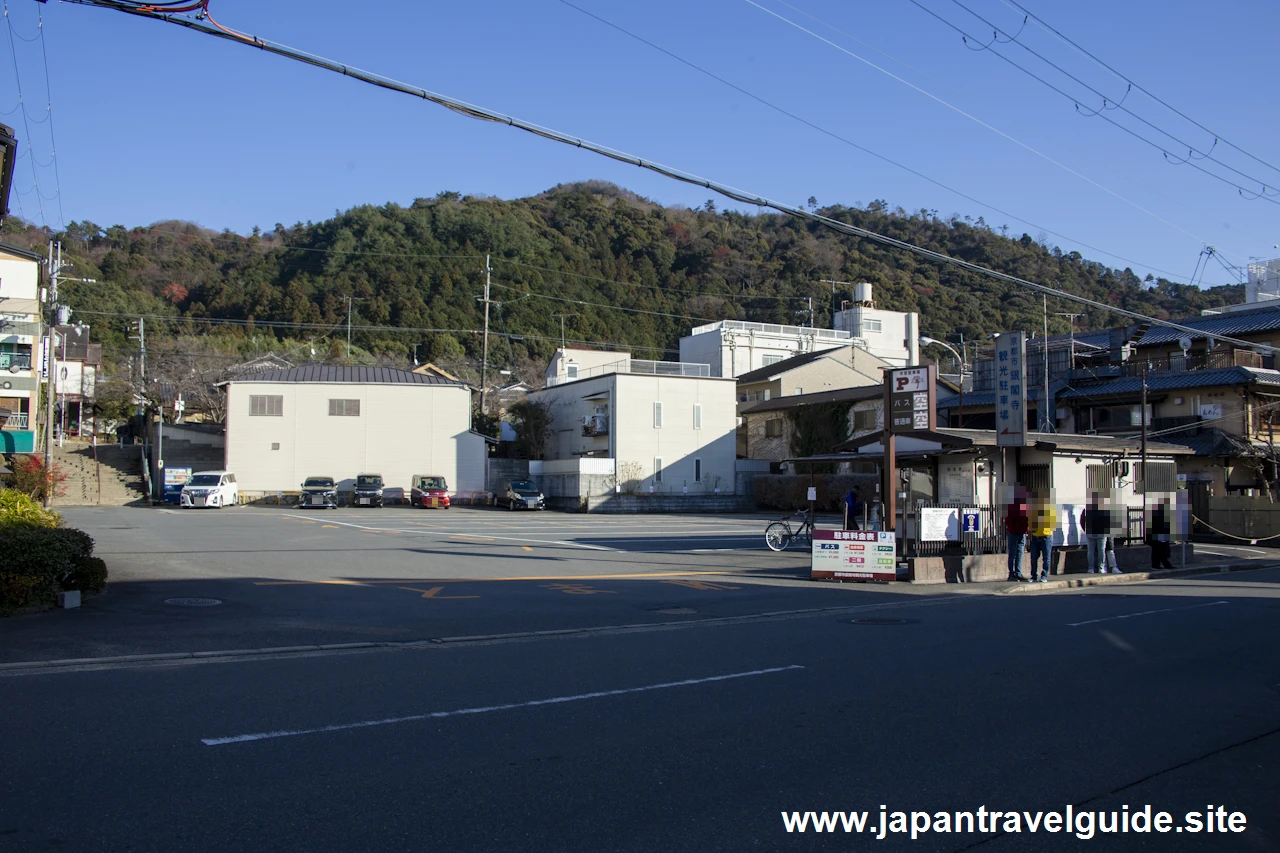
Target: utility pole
(562, 318)
(350, 299)
(835, 306)
(58, 314)
(1047, 418)
(1144, 450)
(484, 361)
(1072, 318)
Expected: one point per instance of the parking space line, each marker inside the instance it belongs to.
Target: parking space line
(520, 539)
(1143, 613)
(620, 576)
(510, 706)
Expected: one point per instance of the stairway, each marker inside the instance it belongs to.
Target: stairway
(121, 474)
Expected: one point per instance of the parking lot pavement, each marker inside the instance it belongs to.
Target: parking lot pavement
(286, 577)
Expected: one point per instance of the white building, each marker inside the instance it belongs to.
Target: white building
(572, 363)
(735, 347)
(891, 335)
(665, 425)
(20, 348)
(286, 425)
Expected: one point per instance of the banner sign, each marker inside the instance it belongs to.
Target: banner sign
(861, 555)
(912, 400)
(1011, 390)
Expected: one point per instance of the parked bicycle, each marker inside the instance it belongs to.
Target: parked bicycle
(779, 535)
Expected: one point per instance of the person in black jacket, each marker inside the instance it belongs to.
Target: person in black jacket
(1096, 521)
(1158, 537)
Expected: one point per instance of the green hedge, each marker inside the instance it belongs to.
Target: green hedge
(20, 509)
(37, 562)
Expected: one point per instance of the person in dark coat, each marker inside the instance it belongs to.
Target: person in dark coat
(852, 509)
(1159, 539)
(1096, 521)
(1017, 521)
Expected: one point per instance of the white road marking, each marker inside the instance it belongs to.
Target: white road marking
(447, 533)
(436, 715)
(1214, 550)
(1143, 613)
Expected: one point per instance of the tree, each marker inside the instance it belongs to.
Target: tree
(532, 420)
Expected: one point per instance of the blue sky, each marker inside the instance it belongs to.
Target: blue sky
(155, 122)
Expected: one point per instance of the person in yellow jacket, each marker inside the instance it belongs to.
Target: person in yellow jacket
(1044, 521)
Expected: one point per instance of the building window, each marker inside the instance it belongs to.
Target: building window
(799, 391)
(657, 469)
(266, 405)
(864, 419)
(571, 371)
(697, 416)
(657, 415)
(870, 326)
(697, 470)
(773, 428)
(771, 360)
(344, 408)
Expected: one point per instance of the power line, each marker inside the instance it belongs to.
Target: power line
(26, 121)
(601, 305)
(1099, 113)
(973, 118)
(53, 141)
(1217, 137)
(857, 146)
(738, 195)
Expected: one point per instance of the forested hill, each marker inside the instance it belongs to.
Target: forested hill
(633, 273)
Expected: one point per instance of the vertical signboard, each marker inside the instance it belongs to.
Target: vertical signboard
(1011, 390)
(912, 402)
(862, 555)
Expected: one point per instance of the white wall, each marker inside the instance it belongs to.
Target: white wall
(402, 430)
(589, 362)
(897, 341)
(19, 279)
(732, 352)
(638, 442)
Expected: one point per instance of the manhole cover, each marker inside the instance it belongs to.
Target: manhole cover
(881, 620)
(192, 602)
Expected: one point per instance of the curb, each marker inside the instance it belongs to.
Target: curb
(1086, 580)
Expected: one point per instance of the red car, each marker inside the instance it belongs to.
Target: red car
(429, 491)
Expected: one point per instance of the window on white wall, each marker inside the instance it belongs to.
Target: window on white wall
(571, 371)
(697, 470)
(344, 408)
(771, 359)
(657, 469)
(871, 326)
(266, 405)
(697, 416)
(657, 415)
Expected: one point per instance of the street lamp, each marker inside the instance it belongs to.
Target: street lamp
(926, 341)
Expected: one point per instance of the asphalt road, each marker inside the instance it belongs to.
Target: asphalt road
(678, 738)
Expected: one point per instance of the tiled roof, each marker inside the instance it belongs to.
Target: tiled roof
(1241, 323)
(1129, 385)
(839, 395)
(334, 373)
(1064, 441)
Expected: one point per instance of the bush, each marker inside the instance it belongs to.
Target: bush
(89, 575)
(34, 561)
(18, 508)
(32, 479)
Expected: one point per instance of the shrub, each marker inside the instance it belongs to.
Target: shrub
(32, 479)
(34, 561)
(18, 508)
(89, 575)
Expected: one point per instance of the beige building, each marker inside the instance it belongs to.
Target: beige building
(668, 426)
(811, 373)
(286, 425)
(768, 427)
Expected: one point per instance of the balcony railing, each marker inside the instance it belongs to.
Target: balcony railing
(636, 365)
(14, 361)
(15, 421)
(1176, 363)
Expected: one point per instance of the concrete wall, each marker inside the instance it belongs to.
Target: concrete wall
(682, 504)
(897, 341)
(402, 430)
(733, 352)
(586, 360)
(19, 280)
(503, 471)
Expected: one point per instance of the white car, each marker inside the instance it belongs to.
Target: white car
(210, 488)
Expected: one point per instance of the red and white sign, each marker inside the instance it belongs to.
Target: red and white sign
(847, 555)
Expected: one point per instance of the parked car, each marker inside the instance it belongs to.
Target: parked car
(522, 494)
(429, 491)
(319, 492)
(210, 488)
(368, 490)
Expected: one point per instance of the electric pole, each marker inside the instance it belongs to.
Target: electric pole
(1047, 419)
(1072, 318)
(562, 318)
(350, 299)
(835, 307)
(58, 315)
(484, 358)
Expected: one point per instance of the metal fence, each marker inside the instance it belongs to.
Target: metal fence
(988, 540)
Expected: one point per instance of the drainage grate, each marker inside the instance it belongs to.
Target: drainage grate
(881, 620)
(193, 602)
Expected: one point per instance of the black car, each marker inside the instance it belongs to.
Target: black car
(319, 493)
(368, 490)
(522, 494)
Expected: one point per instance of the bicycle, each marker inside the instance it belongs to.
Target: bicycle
(779, 535)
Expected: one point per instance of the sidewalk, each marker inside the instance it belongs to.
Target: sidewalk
(1074, 580)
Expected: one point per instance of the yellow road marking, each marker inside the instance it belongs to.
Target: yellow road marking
(333, 527)
(703, 585)
(526, 547)
(435, 591)
(578, 589)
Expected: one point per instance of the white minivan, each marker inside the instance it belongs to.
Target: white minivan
(210, 488)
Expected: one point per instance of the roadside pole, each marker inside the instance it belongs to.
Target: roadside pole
(484, 360)
(50, 360)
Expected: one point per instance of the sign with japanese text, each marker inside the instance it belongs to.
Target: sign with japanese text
(1011, 390)
(862, 555)
(912, 400)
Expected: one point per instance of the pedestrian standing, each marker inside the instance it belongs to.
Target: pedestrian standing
(1159, 540)
(852, 509)
(1016, 524)
(1044, 521)
(1096, 521)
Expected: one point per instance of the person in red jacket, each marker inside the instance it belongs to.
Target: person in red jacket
(1017, 521)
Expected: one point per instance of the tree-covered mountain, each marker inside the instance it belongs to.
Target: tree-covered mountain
(631, 272)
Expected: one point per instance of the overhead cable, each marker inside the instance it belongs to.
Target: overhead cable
(738, 195)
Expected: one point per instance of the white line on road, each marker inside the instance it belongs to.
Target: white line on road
(1143, 613)
(1214, 550)
(436, 715)
(421, 532)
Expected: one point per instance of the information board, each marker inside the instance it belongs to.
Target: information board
(176, 476)
(912, 400)
(1011, 390)
(939, 524)
(862, 555)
